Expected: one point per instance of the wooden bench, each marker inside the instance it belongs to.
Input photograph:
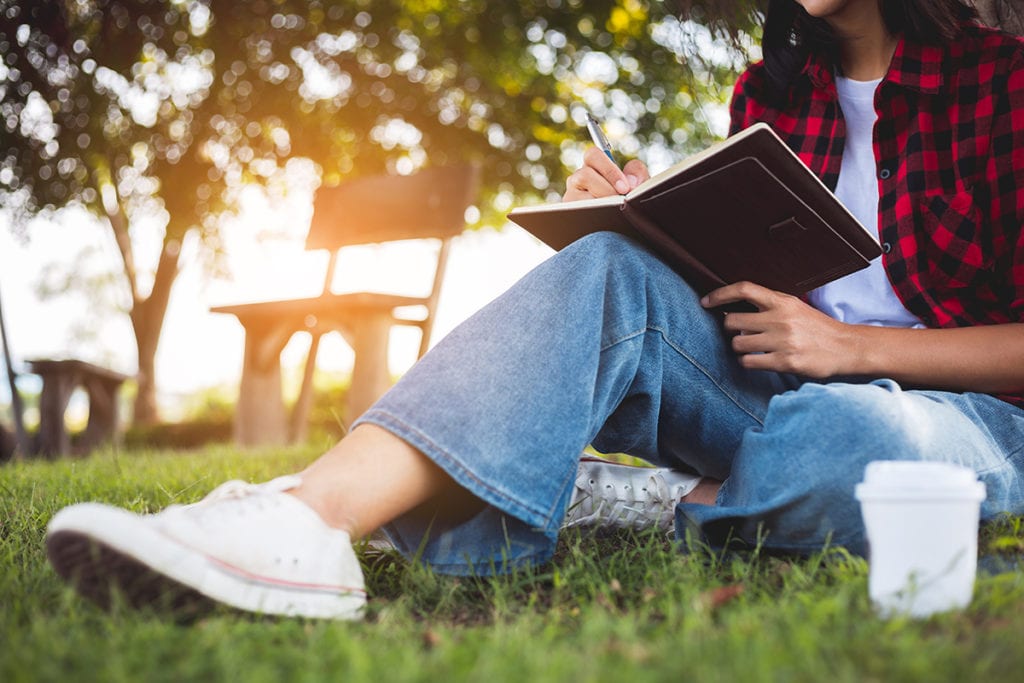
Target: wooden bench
(60, 379)
(429, 204)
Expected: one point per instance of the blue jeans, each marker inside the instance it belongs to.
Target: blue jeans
(604, 344)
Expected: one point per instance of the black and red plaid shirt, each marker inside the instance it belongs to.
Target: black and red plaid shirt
(949, 150)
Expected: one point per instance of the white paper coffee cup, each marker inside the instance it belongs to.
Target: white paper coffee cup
(921, 520)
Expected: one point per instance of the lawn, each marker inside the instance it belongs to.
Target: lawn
(623, 608)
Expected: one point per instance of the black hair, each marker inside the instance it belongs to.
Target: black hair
(791, 35)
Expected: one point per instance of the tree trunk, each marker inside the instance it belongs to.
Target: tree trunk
(145, 411)
(147, 321)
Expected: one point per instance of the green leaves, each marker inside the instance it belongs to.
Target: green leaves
(188, 101)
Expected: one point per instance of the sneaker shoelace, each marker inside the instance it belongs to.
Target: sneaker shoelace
(653, 504)
(237, 489)
(243, 493)
(231, 517)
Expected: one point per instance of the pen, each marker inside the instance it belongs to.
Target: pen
(598, 136)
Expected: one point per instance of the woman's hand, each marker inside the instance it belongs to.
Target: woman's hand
(600, 177)
(785, 334)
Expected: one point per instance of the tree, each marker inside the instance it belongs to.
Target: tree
(131, 108)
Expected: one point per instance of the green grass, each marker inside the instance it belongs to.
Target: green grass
(620, 608)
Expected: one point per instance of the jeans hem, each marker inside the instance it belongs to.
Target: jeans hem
(468, 566)
(458, 470)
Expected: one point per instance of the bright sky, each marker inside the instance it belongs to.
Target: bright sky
(199, 349)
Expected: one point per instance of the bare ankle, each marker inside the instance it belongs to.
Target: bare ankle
(370, 478)
(328, 513)
(705, 493)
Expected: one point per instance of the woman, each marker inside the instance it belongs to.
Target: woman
(914, 115)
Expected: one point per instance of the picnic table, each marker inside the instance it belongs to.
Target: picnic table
(364, 320)
(430, 204)
(60, 379)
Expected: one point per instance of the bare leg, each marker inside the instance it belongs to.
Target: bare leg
(705, 493)
(371, 477)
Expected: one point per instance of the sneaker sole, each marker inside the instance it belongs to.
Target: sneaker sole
(101, 550)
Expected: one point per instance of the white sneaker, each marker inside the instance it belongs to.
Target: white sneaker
(625, 496)
(251, 546)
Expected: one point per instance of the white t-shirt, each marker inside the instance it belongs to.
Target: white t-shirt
(864, 297)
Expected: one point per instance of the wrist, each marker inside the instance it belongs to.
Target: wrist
(859, 351)
(873, 351)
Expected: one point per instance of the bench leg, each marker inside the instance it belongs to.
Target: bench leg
(370, 375)
(102, 425)
(260, 418)
(54, 439)
(299, 429)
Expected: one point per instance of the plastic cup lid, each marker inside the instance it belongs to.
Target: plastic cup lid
(919, 479)
(918, 473)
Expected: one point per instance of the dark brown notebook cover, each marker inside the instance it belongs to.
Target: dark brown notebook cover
(746, 208)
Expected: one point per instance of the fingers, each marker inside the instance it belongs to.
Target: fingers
(599, 162)
(784, 335)
(636, 172)
(587, 183)
(753, 342)
(761, 297)
(598, 177)
(746, 323)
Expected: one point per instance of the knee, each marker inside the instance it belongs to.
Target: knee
(806, 460)
(605, 247)
(825, 435)
(877, 420)
(624, 265)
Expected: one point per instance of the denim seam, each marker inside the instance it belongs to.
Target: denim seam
(1010, 458)
(454, 467)
(767, 542)
(470, 568)
(1009, 461)
(467, 567)
(688, 357)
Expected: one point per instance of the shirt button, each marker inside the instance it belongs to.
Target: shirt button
(884, 174)
(886, 247)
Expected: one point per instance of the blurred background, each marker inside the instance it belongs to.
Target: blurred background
(159, 157)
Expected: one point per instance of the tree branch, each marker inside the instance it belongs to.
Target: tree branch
(119, 224)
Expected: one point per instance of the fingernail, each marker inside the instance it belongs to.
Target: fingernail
(633, 181)
(621, 187)
(704, 300)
